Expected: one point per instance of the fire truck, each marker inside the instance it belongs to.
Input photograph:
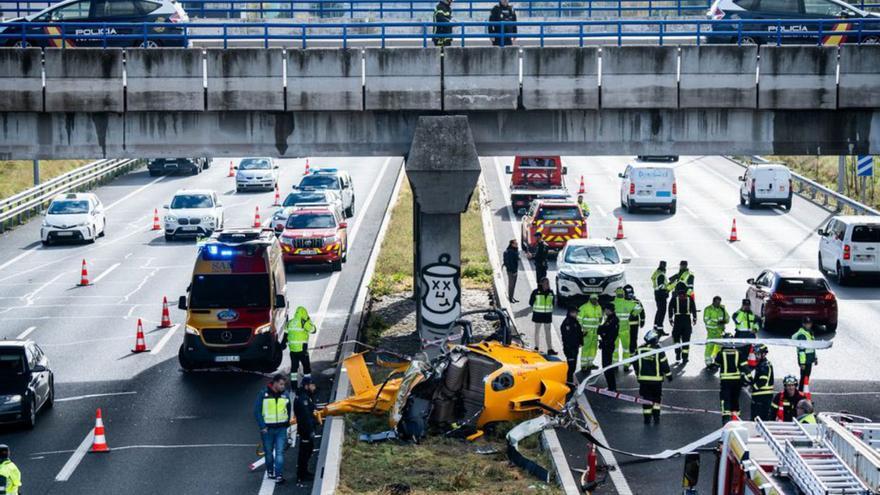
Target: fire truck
(536, 177)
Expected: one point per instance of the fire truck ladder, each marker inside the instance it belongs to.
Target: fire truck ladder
(812, 464)
(858, 444)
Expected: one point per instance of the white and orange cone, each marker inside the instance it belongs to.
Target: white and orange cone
(277, 197)
(753, 360)
(733, 236)
(99, 444)
(257, 222)
(306, 172)
(140, 344)
(231, 170)
(156, 225)
(84, 275)
(619, 228)
(807, 394)
(166, 316)
(582, 189)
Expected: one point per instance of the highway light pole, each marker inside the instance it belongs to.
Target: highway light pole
(36, 172)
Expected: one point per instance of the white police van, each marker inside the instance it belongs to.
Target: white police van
(648, 184)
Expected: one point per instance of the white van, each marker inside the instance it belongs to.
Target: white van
(648, 185)
(766, 183)
(850, 245)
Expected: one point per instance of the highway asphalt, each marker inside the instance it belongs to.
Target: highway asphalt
(171, 432)
(845, 378)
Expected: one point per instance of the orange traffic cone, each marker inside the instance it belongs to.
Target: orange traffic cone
(620, 227)
(231, 170)
(733, 237)
(806, 391)
(84, 275)
(582, 189)
(277, 197)
(780, 410)
(99, 444)
(140, 345)
(156, 225)
(166, 316)
(257, 222)
(734, 416)
(307, 167)
(753, 360)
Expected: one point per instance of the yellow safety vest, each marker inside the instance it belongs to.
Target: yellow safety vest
(589, 316)
(543, 303)
(298, 330)
(808, 419)
(10, 478)
(275, 410)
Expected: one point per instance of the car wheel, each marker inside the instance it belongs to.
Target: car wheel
(831, 327)
(50, 400)
(103, 229)
(765, 323)
(275, 362)
(787, 205)
(672, 209)
(345, 254)
(93, 236)
(819, 263)
(185, 362)
(742, 200)
(840, 275)
(154, 173)
(630, 207)
(196, 170)
(46, 242)
(349, 212)
(751, 203)
(20, 44)
(30, 414)
(336, 266)
(169, 237)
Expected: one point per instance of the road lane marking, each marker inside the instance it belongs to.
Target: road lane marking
(736, 250)
(601, 210)
(267, 486)
(24, 334)
(689, 212)
(106, 272)
(90, 396)
(20, 256)
(164, 340)
(75, 458)
(629, 248)
(136, 191)
(617, 478)
(29, 298)
(130, 447)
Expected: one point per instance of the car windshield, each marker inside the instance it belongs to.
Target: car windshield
(311, 221)
(254, 164)
(592, 255)
(298, 198)
(230, 291)
(803, 285)
(11, 363)
(69, 207)
(191, 201)
(866, 233)
(559, 213)
(320, 182)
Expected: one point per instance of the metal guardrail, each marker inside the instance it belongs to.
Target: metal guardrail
(22, 206)
(577, 33)
(819, 194)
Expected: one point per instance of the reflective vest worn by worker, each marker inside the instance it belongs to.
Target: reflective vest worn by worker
(789, 404)
(715, 318)
(745, 323)
(659, 283)
(686, 278)
(805, 356)
(652, 368)
(276, 409)
(10, 478)
(298, 329)
(543, 302)
(623, 308)
(589, 316)
(809, 419)
(585, 208)
(728, 360)
(761, 382)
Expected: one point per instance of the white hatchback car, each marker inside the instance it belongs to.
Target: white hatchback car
(647, 184)
(589, 266)
(194, 213)
(256, 173)
(73, 217)
(850, 245)
(766, 183)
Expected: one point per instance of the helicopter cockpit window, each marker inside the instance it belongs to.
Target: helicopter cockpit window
(502, 382)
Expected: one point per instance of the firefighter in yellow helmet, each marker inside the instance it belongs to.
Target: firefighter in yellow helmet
(298, 330)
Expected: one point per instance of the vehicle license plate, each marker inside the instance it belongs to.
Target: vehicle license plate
(804, 300)
(64, 234)
(227, 359)
(308, 252)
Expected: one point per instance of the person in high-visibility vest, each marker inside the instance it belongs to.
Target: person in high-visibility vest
(761, 385)
(542, 302)
(636, 317)
(272, 411)
(623, 308)
(589, 316)
(788, 399)
(10, 476)
(684, 276)
(806, 357)
(732, 366)
(805, 412)
(298, 330)
(715, 316)
(682, 318)
(661, 295)
(745, 324)
(585, 208)
(650, 372)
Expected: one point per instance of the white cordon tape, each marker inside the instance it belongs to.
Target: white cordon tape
(644, 402)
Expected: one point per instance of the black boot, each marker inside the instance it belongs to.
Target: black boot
(647, 419)
(656, 415)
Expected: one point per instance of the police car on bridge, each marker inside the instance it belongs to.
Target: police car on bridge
(69, 23)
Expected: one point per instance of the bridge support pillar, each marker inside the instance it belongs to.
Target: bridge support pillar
(442, 167)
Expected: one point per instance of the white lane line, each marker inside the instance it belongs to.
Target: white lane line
(136, 191)
(164, 340)
(267, 486)
(601, 210)
(24, 334)
(106, 272)
(20, 256)
(129, 447)
(29, 298)
(75, 458)
(736, 250)
(91, 396)
(629, 248)
(689, 212)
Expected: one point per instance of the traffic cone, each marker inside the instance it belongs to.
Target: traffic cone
(582, 189)
(140, 345)
(84, 275)
(753, 360)
(99, 444)
(156, 225)
(780, 411)
(231, 170)
(591, 464)
(277, 197)
(257, 222)
(733, 237)
(306, 172)
(166, 316)
(620, 227)
(734, 416)
(806, 391)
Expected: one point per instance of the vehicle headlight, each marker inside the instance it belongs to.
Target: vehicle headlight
(263, 329)
(170, 218)
(330, 239)
(208, 219)
(13, 399)
(46, 223)
(615, 278)
(192, 330)
(565, 276)
(83, 224)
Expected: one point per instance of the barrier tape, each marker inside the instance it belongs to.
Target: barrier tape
(645, 402)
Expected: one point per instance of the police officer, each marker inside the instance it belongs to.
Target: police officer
(761, 385)
(636, 319)
(10, 476)
(715, 316)
(511, 266)
(661, 294)
(590, 315)
(731, 365)
(272, 411)
(502, 12)
(650, 371)
(805, 412)
(608, 330)
(806, 357)
(572, 339)
(745, 324)
(684, 276)
(788, 399)
(541, 256)
(542, 302)
(306, 424)
(442, 18)
(623, 307)
(682, 318)
(298, 330)
(582, 204)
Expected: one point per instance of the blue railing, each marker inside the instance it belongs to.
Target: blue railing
(531, 33)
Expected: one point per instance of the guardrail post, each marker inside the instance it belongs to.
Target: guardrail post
(36, 172)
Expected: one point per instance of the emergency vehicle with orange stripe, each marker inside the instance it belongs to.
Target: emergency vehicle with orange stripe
(236, 303)
(558, 221)
(533, 177)
(315, 234)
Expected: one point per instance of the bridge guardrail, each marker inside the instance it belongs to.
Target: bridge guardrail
(698, 31)
(817, 193)
(22, 206)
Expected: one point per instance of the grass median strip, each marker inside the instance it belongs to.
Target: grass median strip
(18, 175)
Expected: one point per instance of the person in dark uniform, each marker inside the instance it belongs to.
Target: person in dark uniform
(442, 17)
(650, 372)
(661, 295)
(731, 366)
(636, 318)
(682, 317)
(760, 382)
(788, 399)
(511, 266)
(541, 256)
(608, 330)
(503, 12)
(306, 424)
(572, 339)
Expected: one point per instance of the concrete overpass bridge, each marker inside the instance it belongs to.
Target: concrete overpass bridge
(359, 102)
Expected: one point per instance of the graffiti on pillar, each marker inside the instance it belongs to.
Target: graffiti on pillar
(441, 293)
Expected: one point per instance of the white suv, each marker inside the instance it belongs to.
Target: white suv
(336, 180)
(850, 245)
(766, 183)
(648, 184)
(71, 217)
(193, 212)
(589, 266)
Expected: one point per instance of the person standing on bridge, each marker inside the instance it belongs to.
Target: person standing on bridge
(650, 372)
(502, 12)
(806, 357)
(661, 294)
(590, 315)
(715, 316)
(511, 266)
(298, 331)
(608, 334)
(761, 385)
(10, 476)
(272, 411)
(541, 256)
(682, 318)
(442, 18)
(542, 302)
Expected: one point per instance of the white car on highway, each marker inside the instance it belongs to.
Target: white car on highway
(850, 246)
(648, 184)
(335, 180)
(193, 212)
(299, 198)
(256, 173)
(73, 217)
(766, 183)
(589, 266)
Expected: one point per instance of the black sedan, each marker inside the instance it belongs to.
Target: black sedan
(27, 385)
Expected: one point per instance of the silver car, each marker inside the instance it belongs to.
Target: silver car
(256, 173)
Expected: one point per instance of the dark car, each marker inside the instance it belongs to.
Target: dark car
(192, 166)
(788, 295)
(26, 382)
(73, 20)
